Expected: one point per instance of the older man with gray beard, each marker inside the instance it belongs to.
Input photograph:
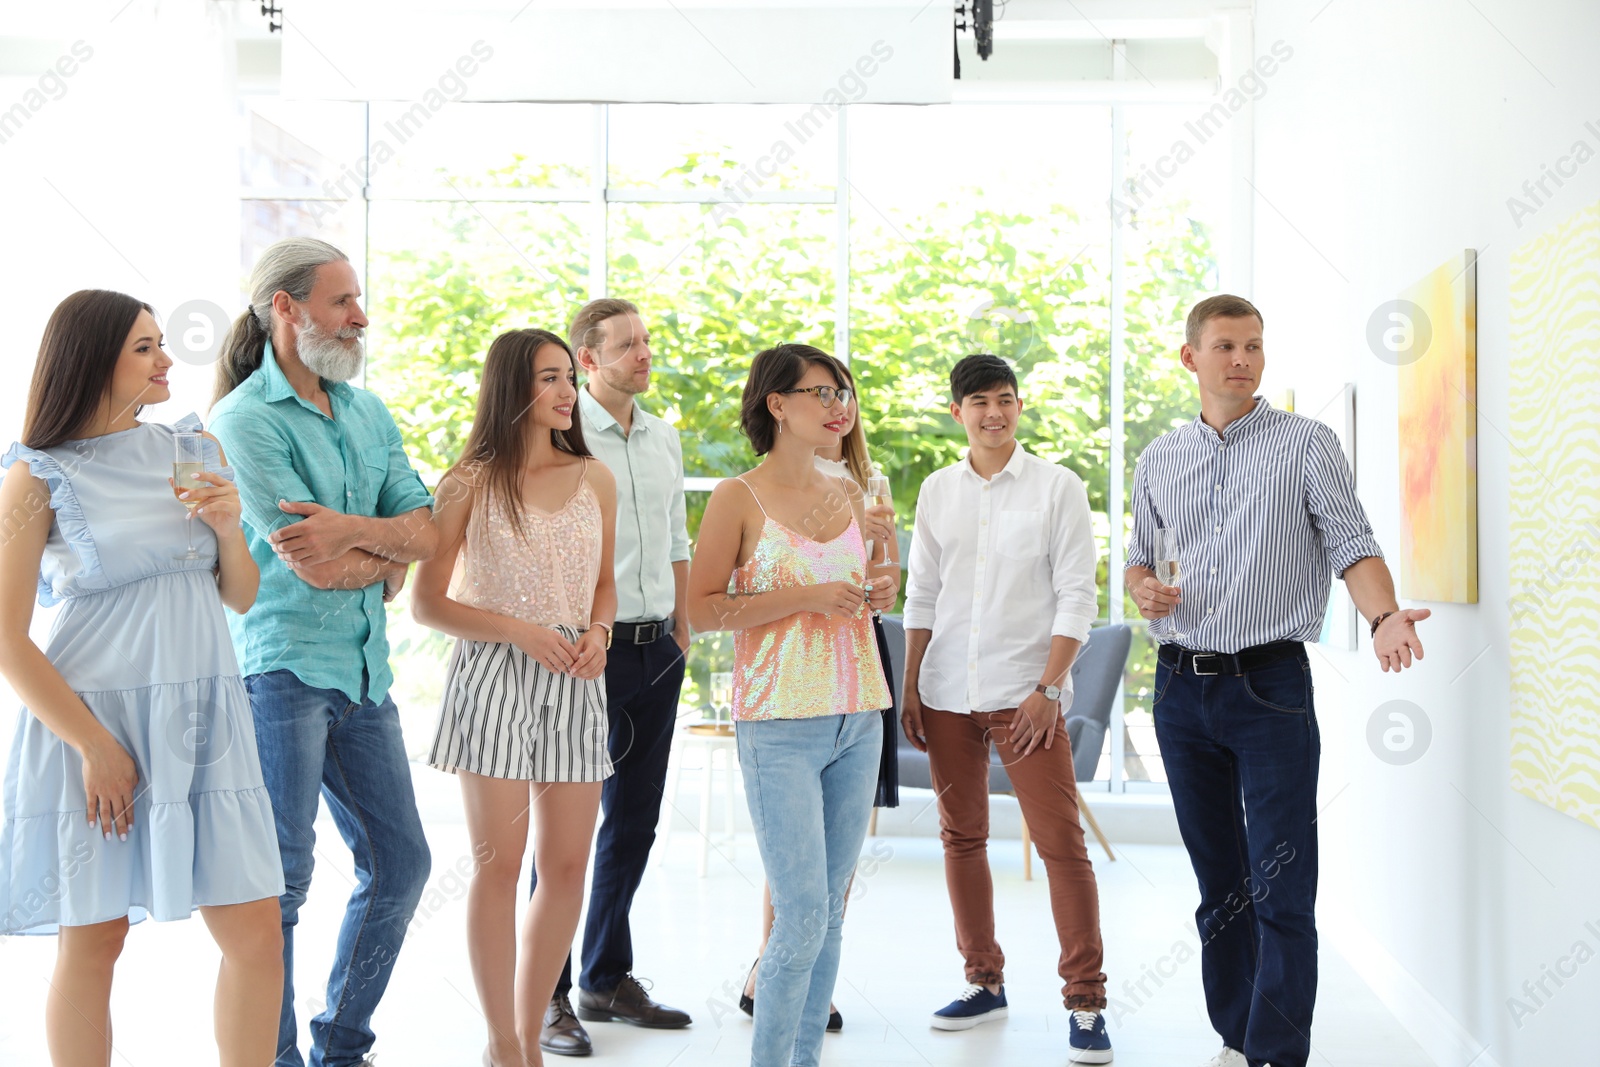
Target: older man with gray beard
(333, 514)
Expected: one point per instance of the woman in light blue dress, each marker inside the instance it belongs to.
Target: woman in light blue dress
(133, 786)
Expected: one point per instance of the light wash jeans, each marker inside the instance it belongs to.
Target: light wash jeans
(809, 783)
(316, 741)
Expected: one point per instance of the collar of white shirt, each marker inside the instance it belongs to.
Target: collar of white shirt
(1013, 467)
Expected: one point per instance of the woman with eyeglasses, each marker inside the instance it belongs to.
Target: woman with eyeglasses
(849, 458)
(782, 563)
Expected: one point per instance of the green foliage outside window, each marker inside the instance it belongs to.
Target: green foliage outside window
(717, 286)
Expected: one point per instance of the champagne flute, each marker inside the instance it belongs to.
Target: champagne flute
(878, 496)
(1168, 570)
(189, 460)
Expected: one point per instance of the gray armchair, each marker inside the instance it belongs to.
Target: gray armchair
(1095, 676)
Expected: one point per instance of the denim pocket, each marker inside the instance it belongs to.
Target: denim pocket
(1162, 681)
(1281, 686)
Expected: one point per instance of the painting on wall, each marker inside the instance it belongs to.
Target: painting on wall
(1555, 517)
(1439, 436)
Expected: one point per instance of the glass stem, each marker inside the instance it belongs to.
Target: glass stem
(188, 529)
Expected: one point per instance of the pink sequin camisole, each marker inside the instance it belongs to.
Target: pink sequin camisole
(546, 572)
(806, 664)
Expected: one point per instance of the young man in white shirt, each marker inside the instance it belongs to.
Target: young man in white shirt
(999, 599)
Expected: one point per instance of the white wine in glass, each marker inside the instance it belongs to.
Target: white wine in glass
(189, 460)
(878, 496)
(1168, 569)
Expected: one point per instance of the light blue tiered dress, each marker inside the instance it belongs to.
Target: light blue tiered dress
(141, 638)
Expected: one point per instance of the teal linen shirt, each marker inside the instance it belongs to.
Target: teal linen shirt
(284, 448)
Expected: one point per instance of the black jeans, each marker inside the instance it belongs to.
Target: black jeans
(642, 686)
(1241, 753)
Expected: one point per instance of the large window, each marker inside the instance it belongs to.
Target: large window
(899, 237)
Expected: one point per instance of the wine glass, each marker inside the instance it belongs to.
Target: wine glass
(1168, 571)
(189, 460)
(722, 695)
(878, 496)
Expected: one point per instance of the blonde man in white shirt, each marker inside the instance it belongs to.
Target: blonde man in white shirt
(999, 599)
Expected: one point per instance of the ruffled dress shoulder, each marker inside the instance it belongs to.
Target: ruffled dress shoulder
(141, 638)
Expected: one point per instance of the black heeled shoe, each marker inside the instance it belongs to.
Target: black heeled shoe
(835, 1020)
(747, 1003)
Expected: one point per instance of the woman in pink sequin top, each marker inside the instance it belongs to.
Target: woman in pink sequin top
(781, 561)
(523, 723)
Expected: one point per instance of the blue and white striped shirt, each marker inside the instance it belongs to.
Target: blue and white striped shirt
(1264, 516)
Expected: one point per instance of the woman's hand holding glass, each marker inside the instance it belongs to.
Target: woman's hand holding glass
(217, 503)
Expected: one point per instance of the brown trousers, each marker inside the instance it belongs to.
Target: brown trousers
(1047, 790)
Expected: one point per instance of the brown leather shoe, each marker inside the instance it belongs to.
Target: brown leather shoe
(629, 1003)
(562, 1033)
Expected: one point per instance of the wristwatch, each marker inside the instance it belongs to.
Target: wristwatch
(1051, 692)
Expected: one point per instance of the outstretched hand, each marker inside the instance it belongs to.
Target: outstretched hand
(1396, 641)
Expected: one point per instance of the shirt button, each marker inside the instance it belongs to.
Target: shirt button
(1219, 487)
(1213, 570)
(1211, 611)
(1219, 529)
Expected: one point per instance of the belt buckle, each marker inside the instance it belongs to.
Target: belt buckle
(1194, 661)
(639, 631)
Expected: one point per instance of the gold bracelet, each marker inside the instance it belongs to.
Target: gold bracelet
(607, 626)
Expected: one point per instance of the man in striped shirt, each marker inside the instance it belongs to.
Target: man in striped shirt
(1264, 511)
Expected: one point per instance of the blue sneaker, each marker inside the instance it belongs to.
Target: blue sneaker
(975, 1005)
(1087, 1040)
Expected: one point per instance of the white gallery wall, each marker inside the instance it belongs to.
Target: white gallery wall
(1392, 139)
(119, 169)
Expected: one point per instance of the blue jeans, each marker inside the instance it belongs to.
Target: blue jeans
(809, 783)
(1241, 753)
(315, 740)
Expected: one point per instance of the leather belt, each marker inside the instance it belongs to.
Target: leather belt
(642, 633)
(1206, 664)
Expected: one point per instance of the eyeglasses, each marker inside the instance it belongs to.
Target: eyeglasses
(825, 393)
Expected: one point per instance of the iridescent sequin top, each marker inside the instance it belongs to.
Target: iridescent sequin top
(807, 664)
(546, 572)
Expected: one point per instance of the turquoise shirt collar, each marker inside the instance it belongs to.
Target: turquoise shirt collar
(275, 386)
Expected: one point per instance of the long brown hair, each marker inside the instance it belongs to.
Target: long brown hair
(492, 458)
(853, 449)
(77, 359)
(288, 266)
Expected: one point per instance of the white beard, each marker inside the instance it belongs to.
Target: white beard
(329, 355)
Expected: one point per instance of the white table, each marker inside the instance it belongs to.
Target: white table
(711, 739)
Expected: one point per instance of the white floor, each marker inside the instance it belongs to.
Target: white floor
(694, 939)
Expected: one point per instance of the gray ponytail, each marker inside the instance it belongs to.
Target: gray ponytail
(289, 266)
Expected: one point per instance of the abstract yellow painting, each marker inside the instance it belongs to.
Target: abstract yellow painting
(1555, 517)
(1439, 437)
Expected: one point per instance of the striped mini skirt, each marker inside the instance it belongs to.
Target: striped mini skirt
(505, 715)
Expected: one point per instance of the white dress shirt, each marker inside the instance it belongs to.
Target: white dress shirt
(652, 531)
(997, 569)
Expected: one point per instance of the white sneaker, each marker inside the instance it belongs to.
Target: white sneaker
(1227, 1058)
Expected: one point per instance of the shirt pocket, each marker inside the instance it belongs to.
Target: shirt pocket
(374, 472)
(1021, 534)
